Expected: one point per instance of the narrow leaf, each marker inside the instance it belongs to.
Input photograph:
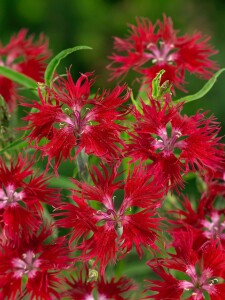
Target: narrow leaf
(18, 77)
(18, 144)
(135, 102)
(206, 88)
(61, 182)
(50, 70)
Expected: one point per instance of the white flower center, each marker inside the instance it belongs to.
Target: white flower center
(27, 265)
(9, 196)
(199, 282)
(215, 227)
(163, 53)
(166, 142)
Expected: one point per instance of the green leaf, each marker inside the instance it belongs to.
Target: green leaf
(206, 88)
(158, 89)
(82, 166)
(18, 144)
(134, 269)
(18, 77)
(49, 72)
(135, 102)
(61, 182)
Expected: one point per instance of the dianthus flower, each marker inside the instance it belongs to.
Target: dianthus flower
(206, 217)
(22, 193)
(203, 271)
(33, 267)
(24, 55)
(71, 120)
(115, 224)
(176, 144)
(150, 48)
(81, 287)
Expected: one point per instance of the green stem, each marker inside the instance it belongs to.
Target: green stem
(204, 90)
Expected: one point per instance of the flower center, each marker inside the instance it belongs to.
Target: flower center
(111, 217)
(27, 265)
(199, 283)
(9, 196)
(76, 120)
(163, 53)
(100, 297)
(214, 227)
(166, 142)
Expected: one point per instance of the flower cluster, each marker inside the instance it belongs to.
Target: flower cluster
(103, 179)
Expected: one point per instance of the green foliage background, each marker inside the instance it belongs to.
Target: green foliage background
(70, 23)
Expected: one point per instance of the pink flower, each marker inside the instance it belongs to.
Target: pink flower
(150, 48)
(22, 193)
(32, 268)
(116, 224)
(25, 56)
(175, 144)
(69, 119)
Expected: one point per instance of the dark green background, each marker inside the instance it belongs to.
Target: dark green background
(69, 23)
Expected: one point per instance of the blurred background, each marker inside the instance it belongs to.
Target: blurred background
(70, 23)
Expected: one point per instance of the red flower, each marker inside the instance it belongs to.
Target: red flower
(150, 48)
(82, 288)
(114, 289)
(114, 230)
(203, 270)
(21, 194)
(174, 143)
(24, 56)
(78, 287)
(36, 260)
(206, 220)
(167, 288)
(69, 119)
